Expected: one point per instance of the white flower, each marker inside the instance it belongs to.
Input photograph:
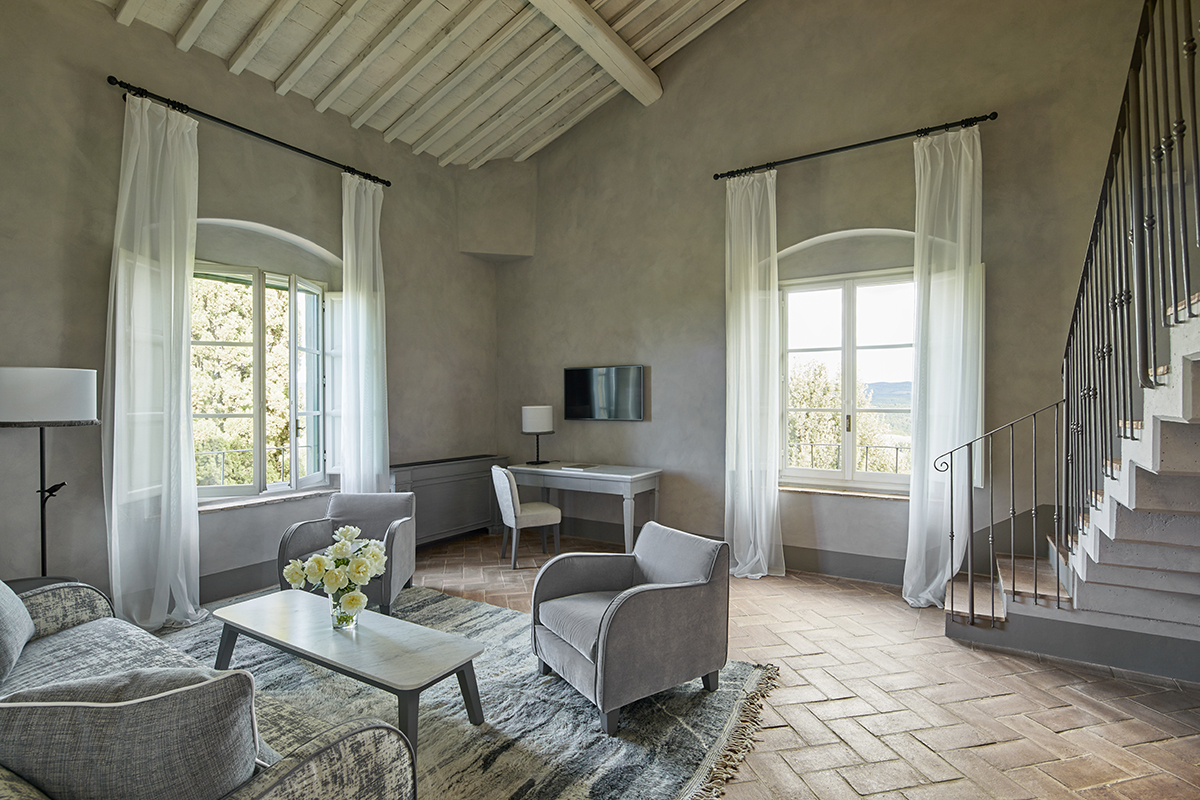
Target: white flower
(354, 602)
(347, 533)
(378, 563)
(293, 573)
(335, 579)
(316, 567)
(359, 570)
(341, 549)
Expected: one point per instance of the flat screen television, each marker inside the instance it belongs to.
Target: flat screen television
(603, 393)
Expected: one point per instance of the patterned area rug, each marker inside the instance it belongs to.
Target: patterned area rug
(541, 739)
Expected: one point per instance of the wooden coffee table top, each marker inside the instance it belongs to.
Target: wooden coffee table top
(383, 651)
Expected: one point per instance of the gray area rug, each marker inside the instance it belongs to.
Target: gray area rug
(541, 739)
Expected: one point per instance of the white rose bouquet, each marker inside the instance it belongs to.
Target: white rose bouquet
(342, 570)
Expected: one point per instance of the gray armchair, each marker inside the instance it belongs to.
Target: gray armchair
(622, 627)
(389, 517)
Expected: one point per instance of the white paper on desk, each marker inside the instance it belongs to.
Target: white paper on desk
(576, 467)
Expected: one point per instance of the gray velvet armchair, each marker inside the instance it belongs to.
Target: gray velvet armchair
(389, 517)
(622, 627)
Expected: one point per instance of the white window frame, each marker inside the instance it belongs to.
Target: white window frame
(848, 478)
(318, 477)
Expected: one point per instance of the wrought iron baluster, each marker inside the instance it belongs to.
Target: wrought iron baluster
(1189, 52)
(1058, 503)
(1033, 506)
(970, 532)
(991, 446)
(1166, 178)
(1141, 305)
(1012, 509)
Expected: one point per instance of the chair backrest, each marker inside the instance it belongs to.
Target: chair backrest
(667, 555)
(506, 495)
(372, 513)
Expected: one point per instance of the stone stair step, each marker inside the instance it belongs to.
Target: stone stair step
(1127, 525)
(1025, 575)
(1135, 601)
(989, 599)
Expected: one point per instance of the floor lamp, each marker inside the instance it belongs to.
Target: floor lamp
(46, 397)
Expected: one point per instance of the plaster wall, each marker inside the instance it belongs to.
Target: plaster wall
(60, 150)
(629, 266)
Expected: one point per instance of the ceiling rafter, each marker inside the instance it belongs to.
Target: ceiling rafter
(457, 27)
(588, 30)
(128, 10)
(195, 24)
(266, 26)
(379, 45)
(317, 47)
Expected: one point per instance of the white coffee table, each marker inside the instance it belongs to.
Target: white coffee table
(387, 653)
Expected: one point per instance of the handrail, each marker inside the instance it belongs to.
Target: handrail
(981, 437)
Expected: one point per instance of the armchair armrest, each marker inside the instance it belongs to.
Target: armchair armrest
(363, 758)
(64, 605)
(576, 573)
(400, 545)
(655, 636)
(301, 539)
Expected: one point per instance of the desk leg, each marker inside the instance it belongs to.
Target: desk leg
(470, 693)
(628, 507)
(655, 517)
(229, 636)
(408, 716)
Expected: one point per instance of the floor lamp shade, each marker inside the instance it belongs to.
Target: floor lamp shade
(47, 397)
(537, 419)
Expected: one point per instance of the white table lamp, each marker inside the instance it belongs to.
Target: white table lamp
(47, 397)
(536, 420)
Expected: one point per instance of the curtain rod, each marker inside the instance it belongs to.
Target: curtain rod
(138, 91)
(964, 123)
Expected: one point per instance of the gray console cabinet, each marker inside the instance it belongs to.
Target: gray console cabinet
(454, 495)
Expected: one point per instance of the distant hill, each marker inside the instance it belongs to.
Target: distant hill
(891, 394)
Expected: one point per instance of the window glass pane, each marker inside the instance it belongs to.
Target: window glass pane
(224, 451)
(883, 442)
(308, 445)
(814, 440)
(308, 318)
(814, 318)
(222, 309)
(277, 402)
(222, 379)
(279, 464)
(815, 380)
(885, 378)
(884, 314)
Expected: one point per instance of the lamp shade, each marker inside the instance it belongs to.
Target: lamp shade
(537, 419)
(47, 396)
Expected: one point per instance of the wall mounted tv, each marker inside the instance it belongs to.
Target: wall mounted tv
(603, 393)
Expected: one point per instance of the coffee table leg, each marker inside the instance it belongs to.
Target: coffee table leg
(409, 702)
(229, 636)
(470, 693)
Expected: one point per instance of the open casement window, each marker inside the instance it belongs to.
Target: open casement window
(333, 386)
(258, 394)
(848, 370)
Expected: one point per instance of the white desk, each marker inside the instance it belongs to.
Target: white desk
(600, 478)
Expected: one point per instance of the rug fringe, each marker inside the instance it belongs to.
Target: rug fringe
(742, 739)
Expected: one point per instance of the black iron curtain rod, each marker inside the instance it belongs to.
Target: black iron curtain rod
(962, 123)
(138, 91)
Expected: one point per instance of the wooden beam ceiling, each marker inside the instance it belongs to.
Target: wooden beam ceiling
(468, 81)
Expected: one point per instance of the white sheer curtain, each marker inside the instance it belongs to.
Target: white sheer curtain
(752, 374)
(149, 462)
(364, 362)
(948, 368)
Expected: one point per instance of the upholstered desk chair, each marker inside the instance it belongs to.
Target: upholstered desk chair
(518, 515)
(389, 517)
(622, 627)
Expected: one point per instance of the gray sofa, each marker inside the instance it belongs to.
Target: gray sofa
(622, 627)
(76, 636)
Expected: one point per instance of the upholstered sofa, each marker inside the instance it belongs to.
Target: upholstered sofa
(76, 640)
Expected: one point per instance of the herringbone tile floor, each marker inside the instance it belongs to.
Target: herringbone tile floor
(876, 702)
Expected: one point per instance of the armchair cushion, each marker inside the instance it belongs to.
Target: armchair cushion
(119, 736)
(373, 513)
(16, 628)
(536, 514)
(665, 555)
(576, 619)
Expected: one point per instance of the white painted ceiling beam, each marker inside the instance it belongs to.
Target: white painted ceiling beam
(464, 70)
(195, 24)
(127, 11)
(385, 39)
(458, 26)
(266, 26)
(586, 28)
(714, 15)
(317, 47)
(485, 92)
(495, 120)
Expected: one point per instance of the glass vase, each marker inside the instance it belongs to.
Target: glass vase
(342, 620)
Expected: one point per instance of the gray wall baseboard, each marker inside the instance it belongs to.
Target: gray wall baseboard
(232, 582)
(845, 565)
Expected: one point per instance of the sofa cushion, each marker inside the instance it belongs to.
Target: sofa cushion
(187, 734)
(576, 619)
(16, 628)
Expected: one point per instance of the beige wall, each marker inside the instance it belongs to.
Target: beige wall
(630, 255)
(60, 145)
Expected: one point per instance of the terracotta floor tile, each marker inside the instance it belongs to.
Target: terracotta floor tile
(952, 737)
(821, 757)
(1064, 719)
(882, 776)
(1018, 753)
(1157, 787)
(1083, 772)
